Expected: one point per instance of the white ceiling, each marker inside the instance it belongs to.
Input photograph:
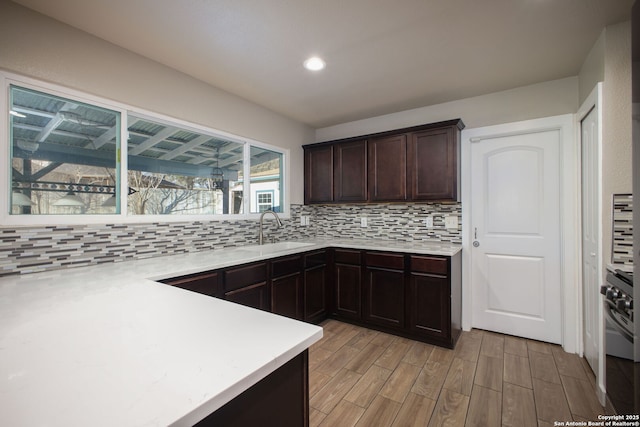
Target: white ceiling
(382, 56)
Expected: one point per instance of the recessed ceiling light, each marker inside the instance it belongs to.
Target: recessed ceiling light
(314, 64)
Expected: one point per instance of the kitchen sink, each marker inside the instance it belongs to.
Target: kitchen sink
(288, 245)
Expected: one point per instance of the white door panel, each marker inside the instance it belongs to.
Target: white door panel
(512, 205)
(511, 296)
(515, 198)
(589, 141)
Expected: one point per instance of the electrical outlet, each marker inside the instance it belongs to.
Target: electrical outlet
(364, 222)
(451, 221)
(304, 220)
(428, 222)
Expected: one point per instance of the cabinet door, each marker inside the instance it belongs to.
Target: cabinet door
(384, 292)
(350, 171)
(286, 296)
(315, 294)
(387, 166)
(433, 164)
(318, 174)
(247, 285)
(202, 283)
(430, 305)
(244, 275)
(347, 290)
(256, 296)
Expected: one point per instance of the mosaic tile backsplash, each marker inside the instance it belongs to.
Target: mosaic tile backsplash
(622, 248)
(35, 249)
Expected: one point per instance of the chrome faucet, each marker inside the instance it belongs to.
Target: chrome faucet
(261, 233)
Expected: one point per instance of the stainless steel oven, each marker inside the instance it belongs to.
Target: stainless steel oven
(619, 340)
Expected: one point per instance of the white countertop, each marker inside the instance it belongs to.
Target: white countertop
(106, 345)
(159, 268)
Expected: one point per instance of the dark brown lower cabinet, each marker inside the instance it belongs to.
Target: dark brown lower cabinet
(281, 399)
(248, 285)
(286, 287)
(384, 289)
(428, 305)
(417, 296)
(410, 295)
(256, 296)
(316, 286)
(286, 296)
(347, 276)
(206, 283)
(434, 304)
(295, 286)
(316, 295)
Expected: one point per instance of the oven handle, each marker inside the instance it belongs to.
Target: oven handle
(616, 324)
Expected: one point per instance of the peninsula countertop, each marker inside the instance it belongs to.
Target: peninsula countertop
(108, 345)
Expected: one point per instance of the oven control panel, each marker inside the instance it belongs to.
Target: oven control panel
(618, 293)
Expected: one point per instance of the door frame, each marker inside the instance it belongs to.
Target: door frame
(594, 100)
(569, 211)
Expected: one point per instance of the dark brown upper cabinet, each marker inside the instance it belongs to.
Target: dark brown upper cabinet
(318, 174)
(420, 163)
(432, 167)
(350, 171)
(388, 169)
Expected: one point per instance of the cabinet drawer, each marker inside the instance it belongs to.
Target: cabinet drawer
(385, 260)
(202, 283)
(315, 259)
(433, 265)
(345, 256)
(285, 266)
(239, 277)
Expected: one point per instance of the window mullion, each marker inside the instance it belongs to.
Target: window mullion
(246, 186)
(123, 163)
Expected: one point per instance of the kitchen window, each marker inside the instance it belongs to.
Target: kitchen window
(173, 170)
(67, 159)
(63, 155)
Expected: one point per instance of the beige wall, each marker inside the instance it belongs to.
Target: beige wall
(617, 108)
(592, 70)
(616, 129)
(37, 46)
(529, 102)
(40, 47)
(609, 61)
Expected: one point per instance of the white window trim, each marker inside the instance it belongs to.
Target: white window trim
(261, 192)
(6, 219)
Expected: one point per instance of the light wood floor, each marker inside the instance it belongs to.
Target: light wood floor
(366, 378)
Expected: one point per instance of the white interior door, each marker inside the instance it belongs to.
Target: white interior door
(516, 281)
(589, 142)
